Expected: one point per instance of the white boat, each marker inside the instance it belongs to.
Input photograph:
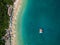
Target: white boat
(41, 30)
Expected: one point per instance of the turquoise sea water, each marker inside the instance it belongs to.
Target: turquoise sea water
(39, 14)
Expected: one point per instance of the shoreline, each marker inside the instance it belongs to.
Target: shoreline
(16, 8)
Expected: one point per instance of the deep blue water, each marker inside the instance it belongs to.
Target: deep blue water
(41, 14)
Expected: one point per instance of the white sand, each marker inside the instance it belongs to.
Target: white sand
(15, 12)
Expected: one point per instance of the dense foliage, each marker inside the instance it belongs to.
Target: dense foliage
(4, 18)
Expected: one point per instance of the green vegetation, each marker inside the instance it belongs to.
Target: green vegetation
(4, 18)
(2, 42)
(9, 2)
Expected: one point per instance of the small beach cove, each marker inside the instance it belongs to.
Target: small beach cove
(16, 7)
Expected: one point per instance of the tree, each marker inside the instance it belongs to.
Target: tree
(4, 18)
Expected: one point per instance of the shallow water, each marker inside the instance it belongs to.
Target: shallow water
(40, 14)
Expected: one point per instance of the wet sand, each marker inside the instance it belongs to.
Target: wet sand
(16, 8)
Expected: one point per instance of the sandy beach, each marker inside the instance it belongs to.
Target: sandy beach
(16, 8)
